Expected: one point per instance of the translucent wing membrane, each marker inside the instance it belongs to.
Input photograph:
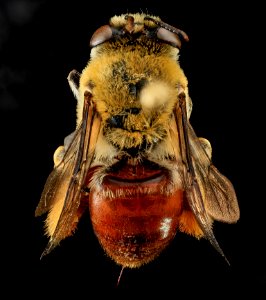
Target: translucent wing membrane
(210, 195)
(62, 191)
(219, 194)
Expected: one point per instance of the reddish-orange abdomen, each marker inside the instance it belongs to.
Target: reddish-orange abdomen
(133, 231)
(136, 224)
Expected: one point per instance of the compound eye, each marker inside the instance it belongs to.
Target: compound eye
(101, 35)
(169, 37)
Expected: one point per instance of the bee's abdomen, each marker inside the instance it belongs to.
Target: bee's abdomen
(134, 228)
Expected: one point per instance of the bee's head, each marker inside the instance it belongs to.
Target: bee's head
(134, 27)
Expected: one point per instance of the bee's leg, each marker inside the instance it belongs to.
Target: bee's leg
(188, 223)
(206, 146)
(73, 80)
(61, 150)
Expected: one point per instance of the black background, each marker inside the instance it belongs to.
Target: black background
(40, 42)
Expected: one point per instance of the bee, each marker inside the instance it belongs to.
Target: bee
(134, 160)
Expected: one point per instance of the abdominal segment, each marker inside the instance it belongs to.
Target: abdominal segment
(136, 226)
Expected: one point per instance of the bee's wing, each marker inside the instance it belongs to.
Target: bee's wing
(64, 184)
(210, 195)
(219, 195)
